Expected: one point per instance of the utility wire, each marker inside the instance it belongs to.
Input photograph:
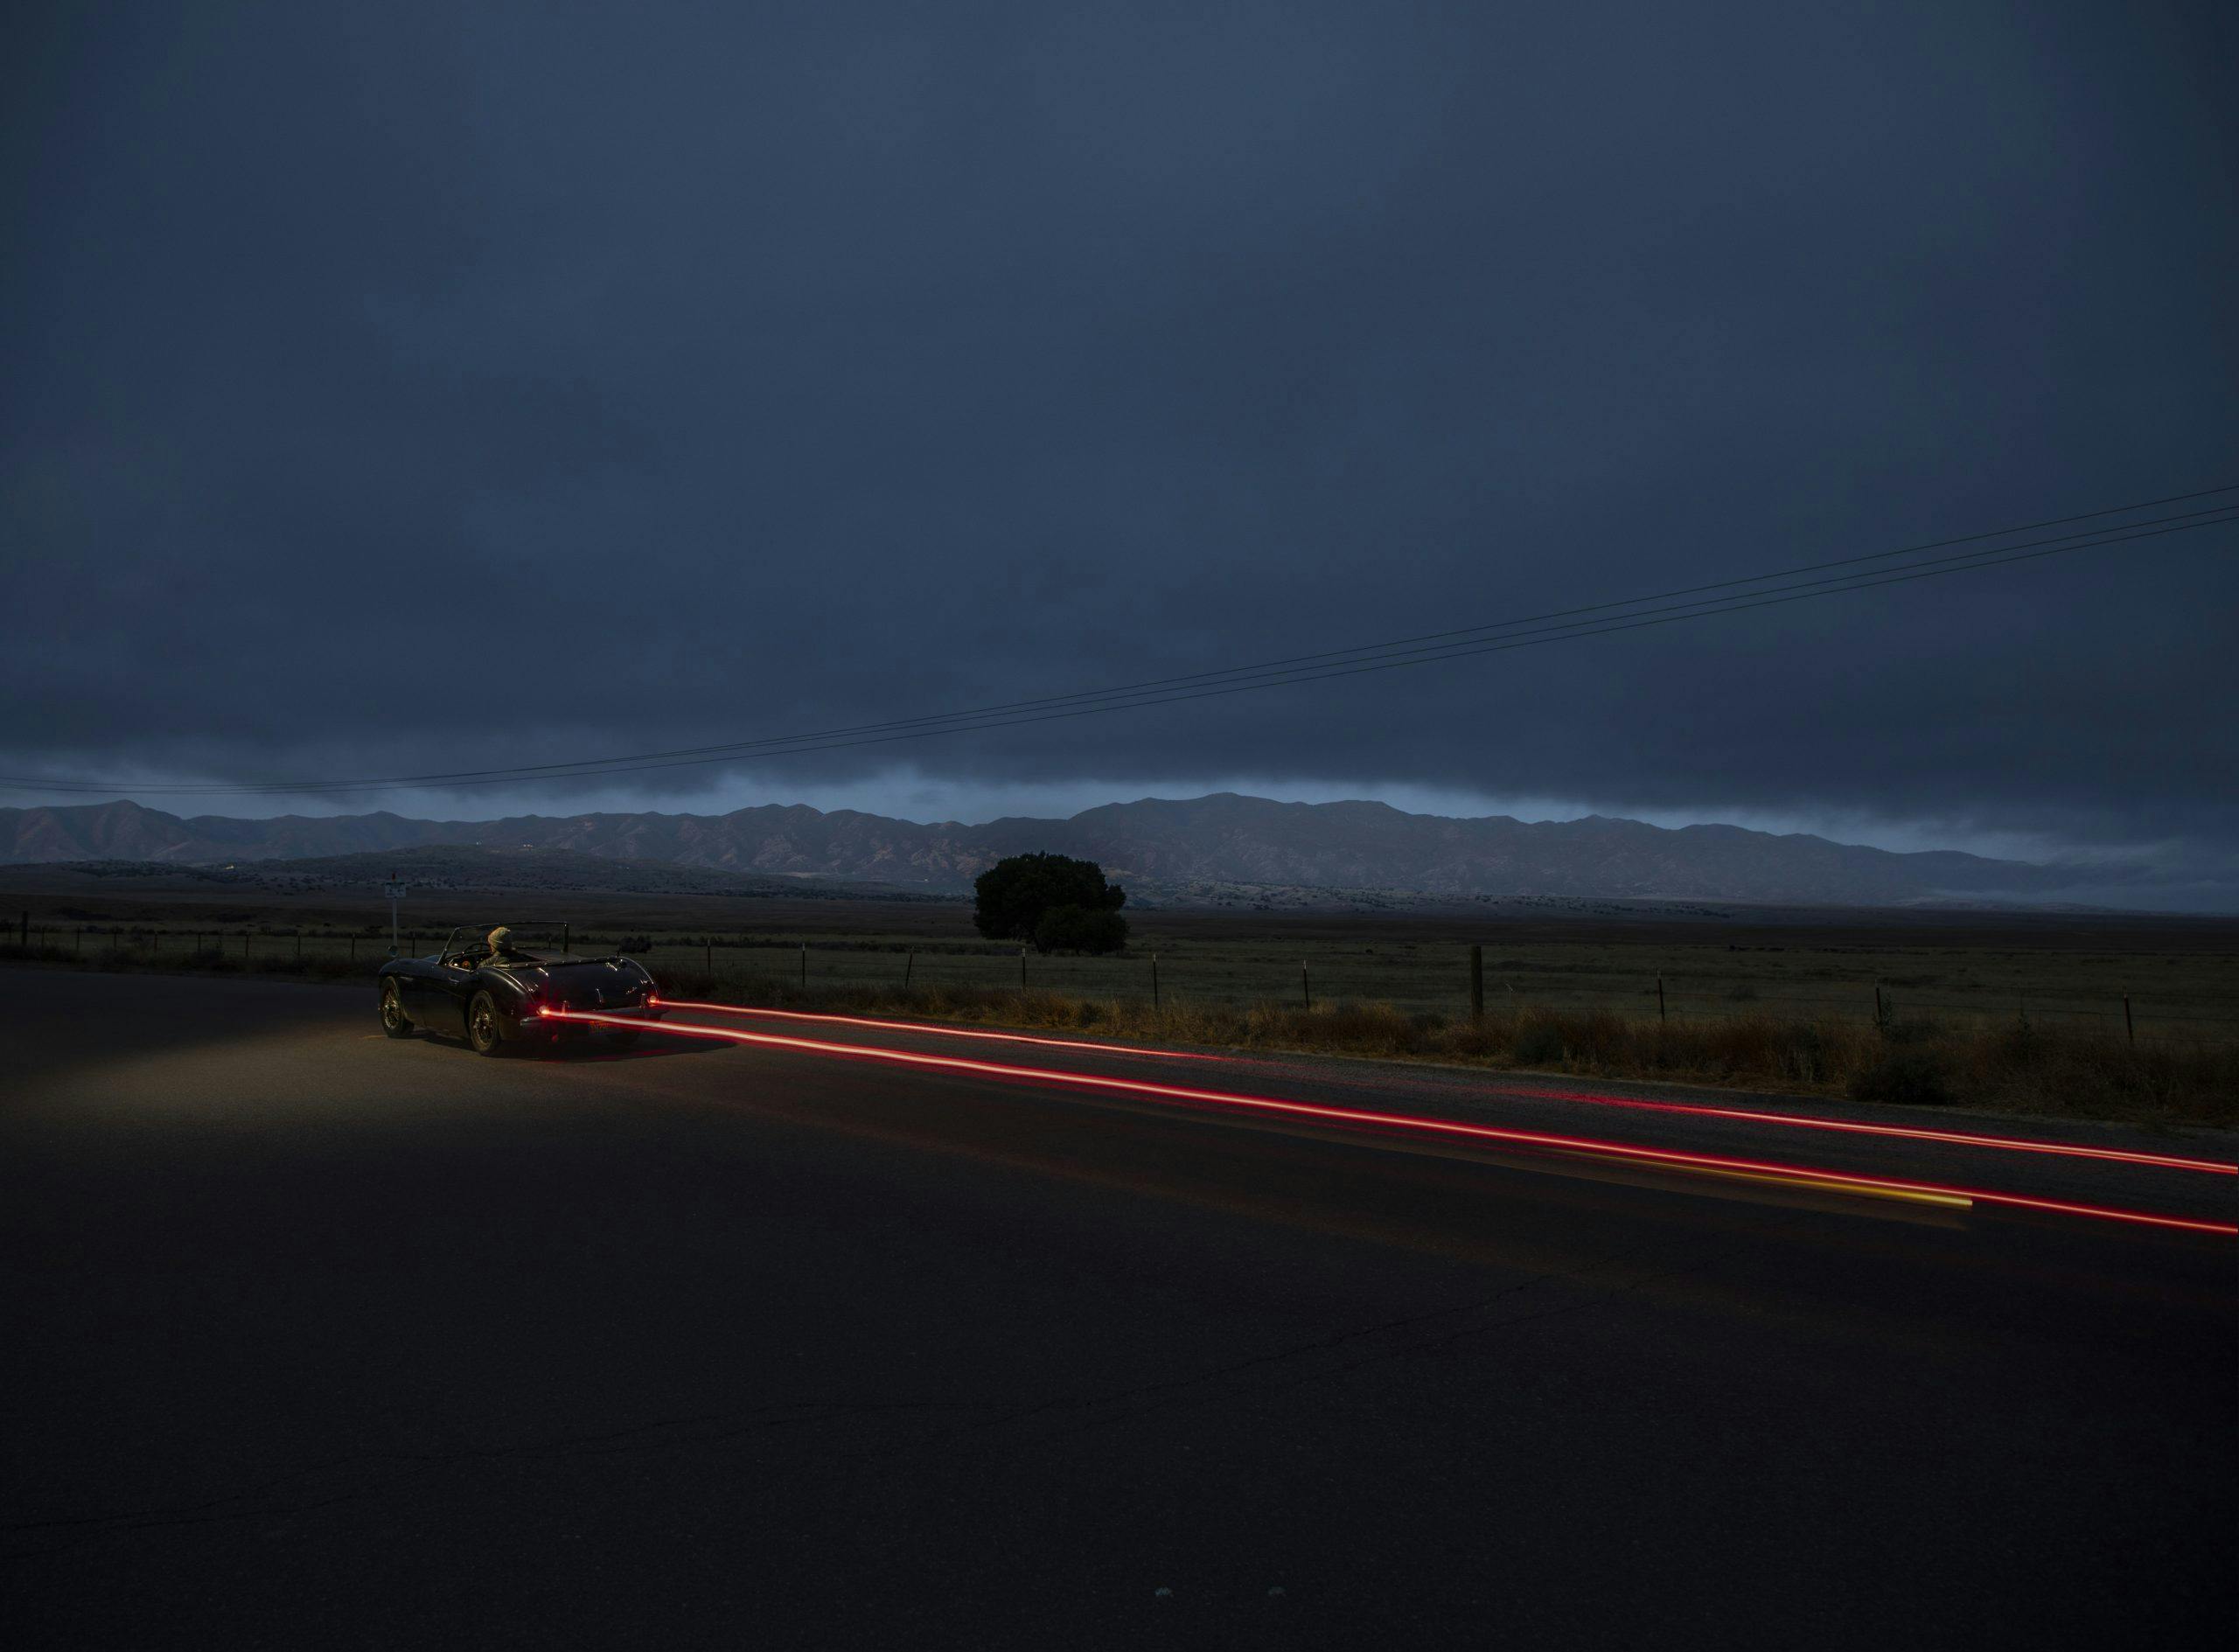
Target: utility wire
(1428, 648)
(950, 723)
(1279, 675)
(1466, 630)
(1279, 671)
(1356, 669)
(768, 744)
(1270, 668)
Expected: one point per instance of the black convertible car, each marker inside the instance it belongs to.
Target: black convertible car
(493, 1003)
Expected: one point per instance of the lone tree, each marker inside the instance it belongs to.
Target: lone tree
(1058, 904)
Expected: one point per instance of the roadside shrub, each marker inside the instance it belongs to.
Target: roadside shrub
(1376, 1030)
(1802, 1052)
(1598, 1038)
(1726, 1045)
(1904, 1078)
(37, 952)
(1538, 1043)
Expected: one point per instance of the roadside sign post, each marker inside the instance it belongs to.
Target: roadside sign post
(395, 891)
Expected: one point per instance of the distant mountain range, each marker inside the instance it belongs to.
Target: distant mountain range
(1200, 850)
(441, 866)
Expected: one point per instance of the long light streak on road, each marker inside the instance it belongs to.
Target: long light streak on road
(1957, 1138)
(2011, 1144)
(1867, 1185)
(944, 1032)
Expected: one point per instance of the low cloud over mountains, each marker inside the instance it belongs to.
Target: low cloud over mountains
(1170, 850)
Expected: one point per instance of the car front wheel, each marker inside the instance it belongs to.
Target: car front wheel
(394, 1020)
(481, 1029)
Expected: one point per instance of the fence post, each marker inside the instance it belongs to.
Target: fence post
(1154, 1009)
(1021, 969)
(564, 939)
(1476, 982)
(909, 966)
(1306, 984)
(1659, 998)
(803, 965)
(1880, 1010)
(245, 936)
(2129, 1026)
(709, 947)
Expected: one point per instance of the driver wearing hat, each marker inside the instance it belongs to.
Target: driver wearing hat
(501, 949)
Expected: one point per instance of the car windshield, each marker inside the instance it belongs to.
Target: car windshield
(468, 942)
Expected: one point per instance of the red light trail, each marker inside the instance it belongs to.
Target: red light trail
(2011, 1144)
(944, 1032)
(1449, 1127)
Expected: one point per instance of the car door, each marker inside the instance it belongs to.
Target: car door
(415, 990)
(451, 985)
(428, 998)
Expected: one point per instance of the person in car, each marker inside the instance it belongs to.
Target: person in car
(501, 949)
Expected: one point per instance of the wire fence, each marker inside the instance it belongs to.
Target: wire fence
(1421, 979)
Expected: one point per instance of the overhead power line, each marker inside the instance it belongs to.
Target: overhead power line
(1332, 656)
(1752, 591)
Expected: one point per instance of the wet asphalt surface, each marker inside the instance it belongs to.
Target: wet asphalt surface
(316, 1338)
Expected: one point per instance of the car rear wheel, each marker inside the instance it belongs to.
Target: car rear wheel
(394, 1019)
(623, 1038)
(481, 1029)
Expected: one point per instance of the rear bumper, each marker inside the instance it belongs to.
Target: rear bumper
(531, 1025)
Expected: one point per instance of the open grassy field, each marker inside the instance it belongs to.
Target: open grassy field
(2180, 976)
(2087, 1015)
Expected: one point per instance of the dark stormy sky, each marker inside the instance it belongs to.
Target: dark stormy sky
(396, 388)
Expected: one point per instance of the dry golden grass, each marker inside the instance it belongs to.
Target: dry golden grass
(2020, 1070)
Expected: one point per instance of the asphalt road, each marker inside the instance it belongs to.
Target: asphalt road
(316, 1339)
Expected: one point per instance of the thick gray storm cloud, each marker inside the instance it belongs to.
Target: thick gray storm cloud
(393, 389)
